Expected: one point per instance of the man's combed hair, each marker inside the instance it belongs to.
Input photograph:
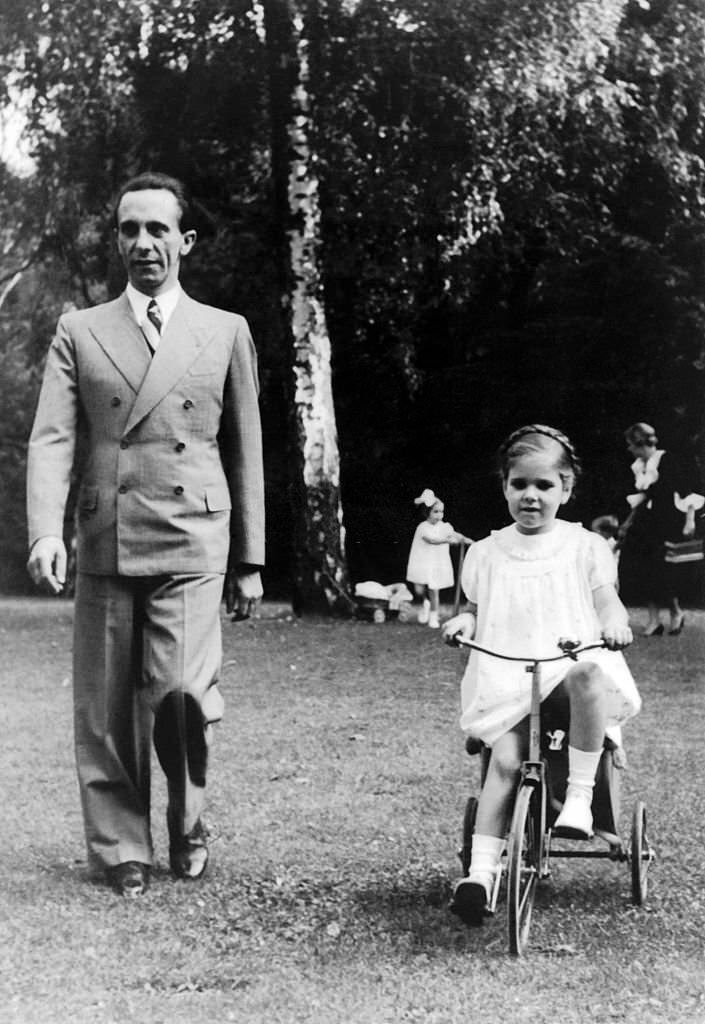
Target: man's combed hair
(157, 180)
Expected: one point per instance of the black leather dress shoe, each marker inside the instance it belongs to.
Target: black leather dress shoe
(188, 855)
(130, 879)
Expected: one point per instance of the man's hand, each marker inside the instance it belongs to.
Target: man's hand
(47, 564)
(243, 591)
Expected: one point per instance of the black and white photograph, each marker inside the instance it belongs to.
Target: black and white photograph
(352, 488)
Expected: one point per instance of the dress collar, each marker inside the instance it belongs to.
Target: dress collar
(646, 470)
(532, 547)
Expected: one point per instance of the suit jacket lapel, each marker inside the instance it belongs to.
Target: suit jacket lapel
(180, 345)
(120, 337)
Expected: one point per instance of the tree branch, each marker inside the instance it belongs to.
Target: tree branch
(8, 288)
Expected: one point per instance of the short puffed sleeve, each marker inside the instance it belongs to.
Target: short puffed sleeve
(601, 563)
(470, 573)
(424, 530)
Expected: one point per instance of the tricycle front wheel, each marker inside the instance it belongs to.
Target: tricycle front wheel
(523, 865)
(465, 851)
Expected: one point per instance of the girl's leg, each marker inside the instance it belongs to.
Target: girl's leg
(472, 894)
(421, 590)
(433, 620)
(495, 803)
(585, 684)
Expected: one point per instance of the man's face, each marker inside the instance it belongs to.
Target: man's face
(150, 241)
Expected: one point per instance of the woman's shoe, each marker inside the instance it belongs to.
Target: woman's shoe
(677, 624)
(656, 630)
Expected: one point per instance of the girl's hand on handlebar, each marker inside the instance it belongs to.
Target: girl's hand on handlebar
(617, 636)
(462, 625)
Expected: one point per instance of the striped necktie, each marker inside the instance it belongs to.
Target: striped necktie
(152, 326)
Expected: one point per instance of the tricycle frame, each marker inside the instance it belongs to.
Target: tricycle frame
(529, 840)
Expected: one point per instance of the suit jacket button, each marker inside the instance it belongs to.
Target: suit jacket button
(124, 444)
(188, 404)
(115, 400)
(179, 489)
(122, 489)
(179, 447)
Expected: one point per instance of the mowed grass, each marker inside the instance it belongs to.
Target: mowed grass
(337, 790)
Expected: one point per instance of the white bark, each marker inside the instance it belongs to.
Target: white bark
(320, 566)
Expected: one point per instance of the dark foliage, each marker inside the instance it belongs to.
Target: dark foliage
(513, 226)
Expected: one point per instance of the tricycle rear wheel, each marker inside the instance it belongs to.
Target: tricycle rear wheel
(640, 855)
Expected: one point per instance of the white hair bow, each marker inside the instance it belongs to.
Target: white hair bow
(427, 498)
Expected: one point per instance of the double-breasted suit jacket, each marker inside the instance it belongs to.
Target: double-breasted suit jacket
(166, 453)
(168, 448)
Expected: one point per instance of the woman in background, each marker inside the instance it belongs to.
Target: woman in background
(663, 504)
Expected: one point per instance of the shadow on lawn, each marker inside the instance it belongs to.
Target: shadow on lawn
(421, 909)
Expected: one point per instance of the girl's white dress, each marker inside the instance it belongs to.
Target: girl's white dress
(531, 590)
(430, 563)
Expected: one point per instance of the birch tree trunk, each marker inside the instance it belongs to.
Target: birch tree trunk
(320, 576)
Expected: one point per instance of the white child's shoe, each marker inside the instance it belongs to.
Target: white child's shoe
(575, 819)
(433, 620)
(424, 612)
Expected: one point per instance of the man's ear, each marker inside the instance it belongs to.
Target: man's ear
(188, 242)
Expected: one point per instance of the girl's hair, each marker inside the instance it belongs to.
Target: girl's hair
(537, 437)
(640, 433)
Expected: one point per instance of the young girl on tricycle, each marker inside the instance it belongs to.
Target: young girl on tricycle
(527, 585)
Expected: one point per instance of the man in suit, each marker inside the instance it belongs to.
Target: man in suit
(151, 403)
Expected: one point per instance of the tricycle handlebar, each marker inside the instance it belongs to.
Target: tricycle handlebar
(569, 647)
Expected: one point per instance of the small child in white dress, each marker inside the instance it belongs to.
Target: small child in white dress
(528, 585)
(429, 568)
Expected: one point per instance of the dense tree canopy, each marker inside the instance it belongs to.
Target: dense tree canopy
(513, 224)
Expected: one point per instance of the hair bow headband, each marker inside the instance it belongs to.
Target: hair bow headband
(427, 498)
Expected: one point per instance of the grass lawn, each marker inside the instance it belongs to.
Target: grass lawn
(338, 785)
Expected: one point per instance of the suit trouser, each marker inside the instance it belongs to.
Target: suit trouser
(147, 652)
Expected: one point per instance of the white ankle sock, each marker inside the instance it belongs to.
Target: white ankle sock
(582, 768)
(486, 855)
